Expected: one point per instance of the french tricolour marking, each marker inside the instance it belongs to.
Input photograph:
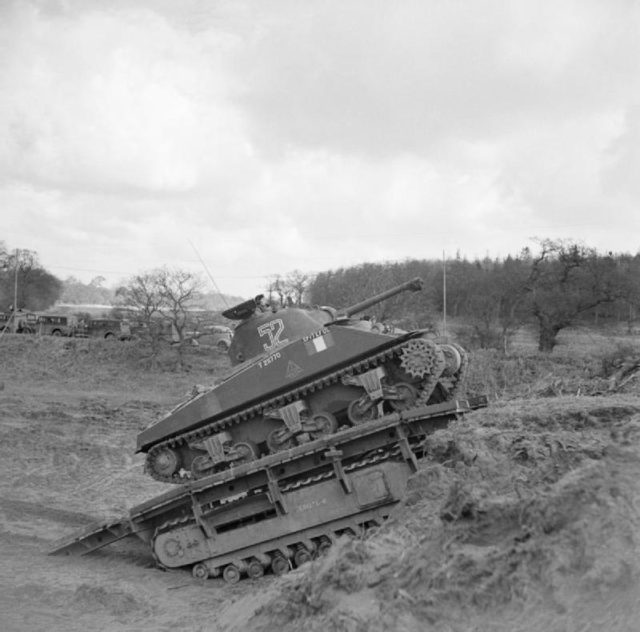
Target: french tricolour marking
(318, 342)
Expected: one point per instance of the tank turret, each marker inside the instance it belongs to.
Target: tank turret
(300, 374)
(264, 328)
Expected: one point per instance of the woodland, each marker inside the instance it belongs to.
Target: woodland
(483, 302)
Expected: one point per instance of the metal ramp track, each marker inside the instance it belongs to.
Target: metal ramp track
(94, 537)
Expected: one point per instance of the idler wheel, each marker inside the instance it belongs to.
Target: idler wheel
(453, 359)
(405, 396)
(324, 424)
(279, 565)
(231, 574)
(165, 462)
(255, 569)
(361, 411)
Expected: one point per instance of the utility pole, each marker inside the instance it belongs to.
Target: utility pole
(15, 293)
(444, 293)
(14, 314)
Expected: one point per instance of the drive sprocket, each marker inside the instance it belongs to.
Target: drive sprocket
(421, 357)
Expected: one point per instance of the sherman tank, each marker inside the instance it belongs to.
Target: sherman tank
(299, 375)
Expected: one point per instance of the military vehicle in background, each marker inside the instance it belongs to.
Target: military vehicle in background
(218, 336)
(23, 323)
(108, 328)
(60, 325)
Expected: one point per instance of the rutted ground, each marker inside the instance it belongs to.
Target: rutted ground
(67, 437)
(525, 517)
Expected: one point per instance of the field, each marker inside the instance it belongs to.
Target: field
(525, 516)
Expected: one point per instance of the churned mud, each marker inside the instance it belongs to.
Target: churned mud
(525, 516)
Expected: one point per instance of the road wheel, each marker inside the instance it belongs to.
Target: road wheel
(362, 410)
(231, 574)
(279, 565)
(323, 547)
(200, 571)
(246, 451)
(301, 556)
(255, 569)
(278, 440)
(325, 424)
(405, 396)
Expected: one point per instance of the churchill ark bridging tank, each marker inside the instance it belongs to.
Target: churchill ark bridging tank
(300, 375)
(312, 434)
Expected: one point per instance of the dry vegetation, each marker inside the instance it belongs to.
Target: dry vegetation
(525, 516)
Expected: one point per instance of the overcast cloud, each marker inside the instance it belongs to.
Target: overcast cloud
(276, 135)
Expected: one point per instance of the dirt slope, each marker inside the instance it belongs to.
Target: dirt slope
(526, 516)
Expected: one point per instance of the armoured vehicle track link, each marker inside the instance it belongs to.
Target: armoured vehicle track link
(433, 375)
(285, 508)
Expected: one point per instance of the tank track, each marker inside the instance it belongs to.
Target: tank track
(451, 384)
(427, 386)
(265, 554)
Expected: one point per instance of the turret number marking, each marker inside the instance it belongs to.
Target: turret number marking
(273, 329)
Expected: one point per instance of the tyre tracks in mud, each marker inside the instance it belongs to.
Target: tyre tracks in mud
(22, 509)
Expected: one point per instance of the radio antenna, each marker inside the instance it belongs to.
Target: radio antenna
(204, 265)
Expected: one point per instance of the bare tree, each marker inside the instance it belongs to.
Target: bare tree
(296, 285)
(161, 299)
(141, 294)
(276, 288)
(179, 291)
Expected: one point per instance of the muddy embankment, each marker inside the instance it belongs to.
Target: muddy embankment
(525, 515)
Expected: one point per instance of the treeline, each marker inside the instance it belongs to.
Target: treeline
(94, 292)
(560, 284)
(25, 282)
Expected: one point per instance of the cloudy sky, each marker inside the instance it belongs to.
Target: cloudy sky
(273, 135)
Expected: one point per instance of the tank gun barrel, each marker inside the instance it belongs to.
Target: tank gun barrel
(415, 285)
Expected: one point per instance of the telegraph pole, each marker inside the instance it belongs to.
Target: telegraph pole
(444, 293)
(15, 293)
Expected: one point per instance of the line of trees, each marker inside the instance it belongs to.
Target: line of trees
(561, 284)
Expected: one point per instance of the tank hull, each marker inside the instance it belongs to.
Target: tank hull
(268, 376)
(335, 377)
